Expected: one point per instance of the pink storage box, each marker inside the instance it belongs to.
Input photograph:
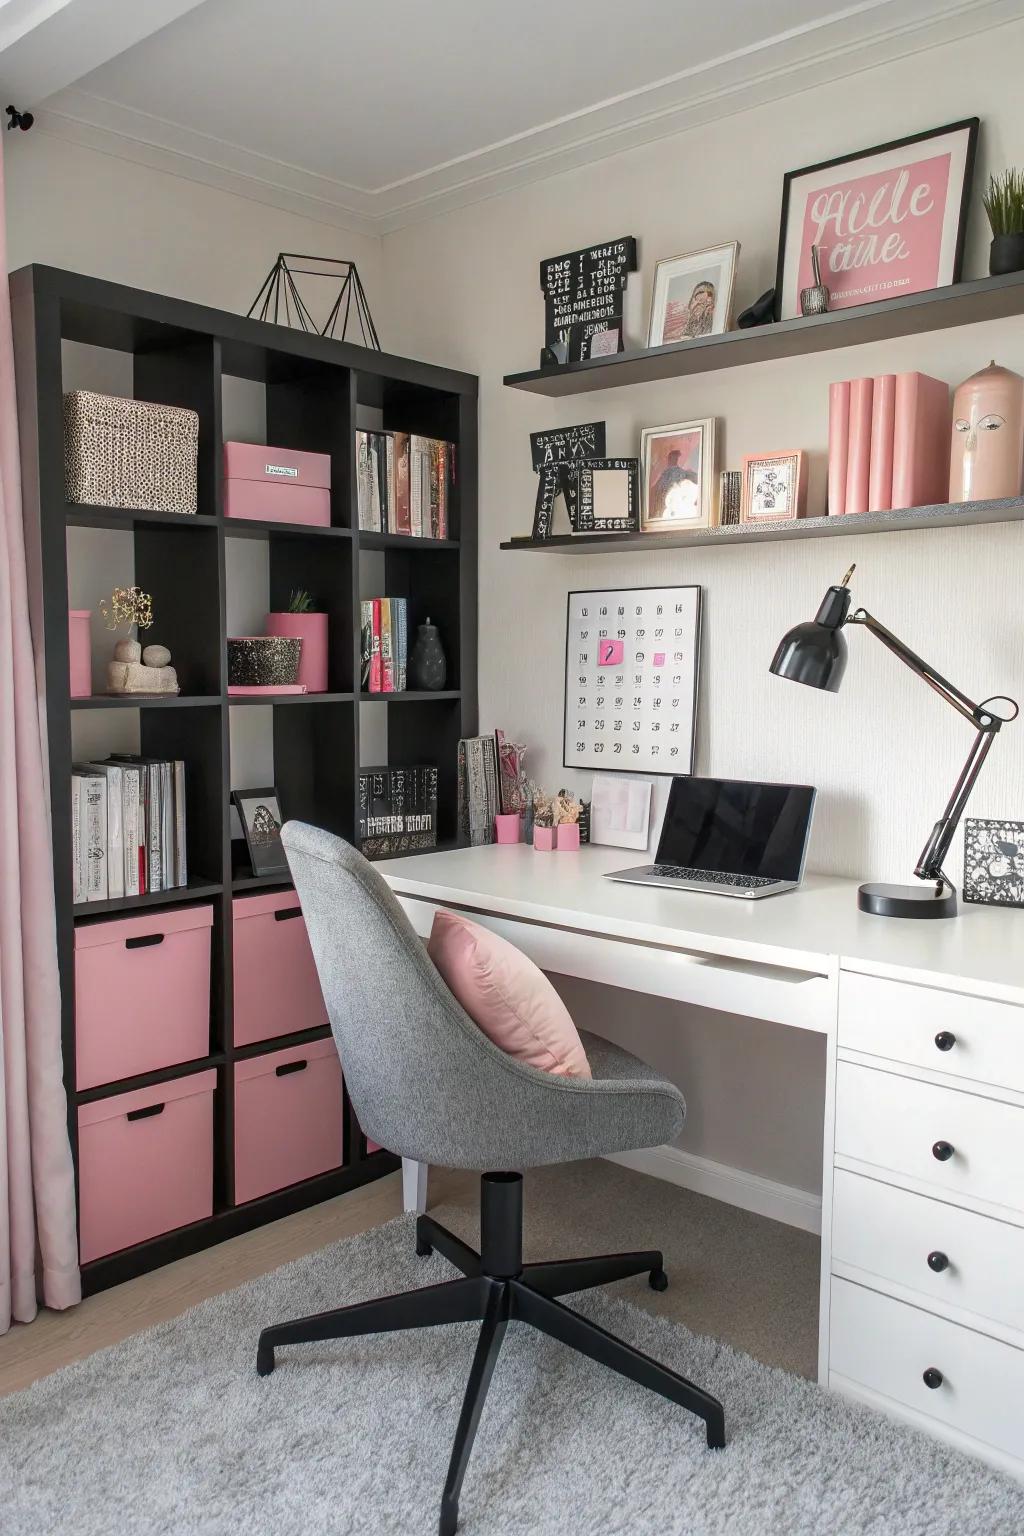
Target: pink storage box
(276, 987)
(288, 1118)
(142, 993)
(80, 652)
(277, 485)
(145, 1163)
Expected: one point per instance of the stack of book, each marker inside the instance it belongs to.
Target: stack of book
(127, 827)
(888, 443)
(403, 483)
(397, 809)
(479, 800)
(384, 644)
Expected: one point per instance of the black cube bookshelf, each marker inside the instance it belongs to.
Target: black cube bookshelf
(317, 391)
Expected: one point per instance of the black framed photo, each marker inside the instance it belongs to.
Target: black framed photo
(259, 811)
(887, 221)
(994, 862)
(607, 496)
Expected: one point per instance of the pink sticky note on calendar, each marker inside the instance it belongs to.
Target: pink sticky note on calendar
(659, 658)
(610, 654)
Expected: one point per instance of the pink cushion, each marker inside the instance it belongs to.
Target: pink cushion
(507, 996)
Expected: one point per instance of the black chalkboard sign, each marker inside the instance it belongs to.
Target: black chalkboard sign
(557, 478)
(583, 296)
(568, 444)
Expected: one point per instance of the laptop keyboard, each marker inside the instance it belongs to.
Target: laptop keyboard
(707, 877)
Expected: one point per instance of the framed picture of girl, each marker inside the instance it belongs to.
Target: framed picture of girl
(693, 295)
(677, 467)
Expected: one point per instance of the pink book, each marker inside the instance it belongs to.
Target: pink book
(883, 412)
(838, 445)
(375, 669)
(858, 464)
(920, 441)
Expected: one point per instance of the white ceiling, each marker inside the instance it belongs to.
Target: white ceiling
(374, 115)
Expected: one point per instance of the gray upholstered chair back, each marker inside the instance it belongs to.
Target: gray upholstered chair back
(424, 1080)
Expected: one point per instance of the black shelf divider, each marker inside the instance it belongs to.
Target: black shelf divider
(314, 387)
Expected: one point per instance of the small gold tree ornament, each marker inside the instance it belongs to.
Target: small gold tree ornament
(134, 670)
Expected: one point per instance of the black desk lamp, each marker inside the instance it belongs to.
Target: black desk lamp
(815, 654)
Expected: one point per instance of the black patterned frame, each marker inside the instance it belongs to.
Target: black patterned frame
(994, 862)
(262, 831)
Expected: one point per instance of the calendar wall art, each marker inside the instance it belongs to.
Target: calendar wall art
(631, 667)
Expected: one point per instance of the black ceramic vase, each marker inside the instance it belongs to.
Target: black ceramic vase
(1006, 254)
(428, 668)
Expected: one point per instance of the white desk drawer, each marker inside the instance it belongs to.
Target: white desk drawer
(887, 1346)
(800, 998)
(892, 1233)
(898, 1123)
(983, 1041)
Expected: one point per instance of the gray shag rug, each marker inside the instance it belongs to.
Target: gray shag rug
(172, 1432)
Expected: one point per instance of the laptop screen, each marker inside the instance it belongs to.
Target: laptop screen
(733, 827)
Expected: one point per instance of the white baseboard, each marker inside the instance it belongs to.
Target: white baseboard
(734, 1186)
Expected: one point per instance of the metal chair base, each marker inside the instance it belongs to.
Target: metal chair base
(497, 1288)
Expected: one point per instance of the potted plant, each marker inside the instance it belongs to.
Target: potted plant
(1004, 204)
(303, 621)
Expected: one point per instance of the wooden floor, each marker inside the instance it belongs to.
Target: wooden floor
(56, 1339)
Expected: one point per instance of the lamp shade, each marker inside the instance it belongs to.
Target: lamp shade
(815, 652)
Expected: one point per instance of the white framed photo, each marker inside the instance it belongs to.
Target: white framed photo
(693, 295)
(678, 466)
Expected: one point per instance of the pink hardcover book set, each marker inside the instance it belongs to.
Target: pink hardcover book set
(888, 443)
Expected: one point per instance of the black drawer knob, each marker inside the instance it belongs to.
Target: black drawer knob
(944, 1040)
(933, 1377)
(938, 1261)
(943, 1151)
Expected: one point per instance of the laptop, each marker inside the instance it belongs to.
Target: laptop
(730, 837)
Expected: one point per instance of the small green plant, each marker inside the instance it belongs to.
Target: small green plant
(300, 602)
(1004, 203)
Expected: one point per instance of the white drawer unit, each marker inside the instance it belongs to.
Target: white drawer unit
(960, 1143)
(948, 1256)
(966, 1381)
(969, 1037)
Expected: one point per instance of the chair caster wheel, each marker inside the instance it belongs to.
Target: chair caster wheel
(264, 1360)
(423, 1248)
(658, 1280)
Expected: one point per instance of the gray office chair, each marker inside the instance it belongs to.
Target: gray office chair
(429, 1085)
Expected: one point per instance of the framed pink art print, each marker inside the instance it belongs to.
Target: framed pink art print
(887, 222)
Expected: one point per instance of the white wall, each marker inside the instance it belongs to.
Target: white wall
(464, 290)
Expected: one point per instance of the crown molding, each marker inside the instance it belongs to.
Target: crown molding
(858, 38)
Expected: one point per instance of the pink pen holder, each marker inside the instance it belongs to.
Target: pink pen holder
(543, 839)
(567, 836)
(506, 828)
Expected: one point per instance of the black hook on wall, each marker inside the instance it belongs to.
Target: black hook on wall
(22, 120)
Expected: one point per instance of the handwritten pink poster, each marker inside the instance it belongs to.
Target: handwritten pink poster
(886, 223)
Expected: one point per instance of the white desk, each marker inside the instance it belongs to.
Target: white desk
(880, 991)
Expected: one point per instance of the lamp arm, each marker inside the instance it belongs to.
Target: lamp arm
(942, 686)
(929, 865)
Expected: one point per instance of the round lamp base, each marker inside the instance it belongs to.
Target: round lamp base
(907, 900)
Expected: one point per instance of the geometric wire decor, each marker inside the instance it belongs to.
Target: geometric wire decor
(280, 301)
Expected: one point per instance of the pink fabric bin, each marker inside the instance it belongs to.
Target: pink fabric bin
(277, 485)
(277, 991)
(142, 993)
(288, 1119)
(145, 1163)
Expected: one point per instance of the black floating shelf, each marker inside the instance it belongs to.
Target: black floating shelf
(83, 516)
(126, 905)
(410, 696)
(368, 540)
(243, 701)
(256, 528)
(953, 515)
(137, 701)
(990, 298)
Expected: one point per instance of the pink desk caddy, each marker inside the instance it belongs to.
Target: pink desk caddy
(506, 828)
(567, 837)
(277, 485)
(543, 838)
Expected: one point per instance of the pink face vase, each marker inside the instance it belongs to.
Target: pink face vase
(987, 450)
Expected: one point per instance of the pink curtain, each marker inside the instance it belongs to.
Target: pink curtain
(37, 1195)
